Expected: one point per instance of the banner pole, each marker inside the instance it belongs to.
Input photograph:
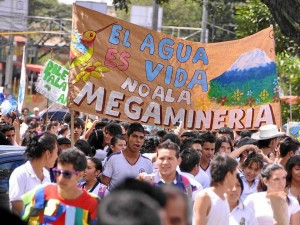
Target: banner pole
(72, 127)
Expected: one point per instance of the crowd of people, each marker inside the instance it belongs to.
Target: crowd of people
(124, 173)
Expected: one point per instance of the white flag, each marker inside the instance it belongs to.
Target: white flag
(22, 85)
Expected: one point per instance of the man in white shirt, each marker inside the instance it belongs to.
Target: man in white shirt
(129, 162)
(207, 153)
(189, 167)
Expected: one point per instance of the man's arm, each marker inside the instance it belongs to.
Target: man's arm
(17, 207)
(105, 180)
(201, 208)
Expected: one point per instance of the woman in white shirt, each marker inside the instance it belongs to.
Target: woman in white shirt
(91, 178)
(239, 213)
(293, 177)
(274, 177)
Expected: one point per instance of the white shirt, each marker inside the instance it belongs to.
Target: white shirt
(247, 188)
(118, 168)
(24, 179)
(262, 209)
(241, 212)
(203, 178)
(193, 182)
(219, 210)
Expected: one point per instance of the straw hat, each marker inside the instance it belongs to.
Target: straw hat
(267, 132)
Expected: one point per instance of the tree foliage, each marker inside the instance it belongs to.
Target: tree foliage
(49, 8)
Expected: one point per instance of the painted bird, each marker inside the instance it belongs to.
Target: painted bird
(82, 46)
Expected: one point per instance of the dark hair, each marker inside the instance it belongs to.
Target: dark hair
(219, 142)
(4, 140)
(288, 144)
(168, 144)
(6, 127)
(113, 141)
(63, 129)
(208, 137)
(226, 130)
(265, 143)
(136, 126)
(25, 108)
(28, 119)
(100, 125)
(125, 125)
(95, 139)
(128, 207)
(245, 133)
(73, 156)
(135, 185)
(173, 137)
(84, 146)
(238, 177)
(269, 169)
(198, 141)
(186, 143)
(253, 157)
(51, 124)
(220, 166)
(293, 161)
(78, 123)
(150, 144)
(161, 133)
(189, 159)
(113, 129)
(97, 162)
(38, 144)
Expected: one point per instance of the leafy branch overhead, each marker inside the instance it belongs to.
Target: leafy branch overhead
(285, 12)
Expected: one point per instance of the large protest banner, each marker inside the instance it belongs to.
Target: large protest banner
(123, 71)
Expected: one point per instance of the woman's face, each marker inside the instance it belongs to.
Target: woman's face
(120, 145)
(225, 148)
(296, 173)
(234, 193)
(277, 180)
(90, 172)
(252, 171)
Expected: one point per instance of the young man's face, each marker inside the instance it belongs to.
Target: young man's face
(208, 151)
(54, 130)
(167, 162)
(197, 147)
(68, 183)
(5, 118)
(10, 134)
(77, 131)
(135, 141)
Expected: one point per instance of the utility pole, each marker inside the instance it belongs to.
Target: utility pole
(291, 107)
(9, 65)
(155, 15)
(204, 21)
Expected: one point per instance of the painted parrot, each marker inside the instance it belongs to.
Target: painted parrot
(82, 46)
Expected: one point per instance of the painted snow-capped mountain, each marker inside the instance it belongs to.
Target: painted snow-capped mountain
(253, 58)
(253, 72)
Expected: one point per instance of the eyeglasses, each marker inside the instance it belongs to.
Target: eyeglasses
(66, 173)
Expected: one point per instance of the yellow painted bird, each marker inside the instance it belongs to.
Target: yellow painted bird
(82, 46)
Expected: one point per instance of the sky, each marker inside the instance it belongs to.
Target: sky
(69, 2)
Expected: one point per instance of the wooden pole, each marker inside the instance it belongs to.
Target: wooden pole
(72, 127)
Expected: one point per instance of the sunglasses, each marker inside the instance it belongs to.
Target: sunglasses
(66, 173)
